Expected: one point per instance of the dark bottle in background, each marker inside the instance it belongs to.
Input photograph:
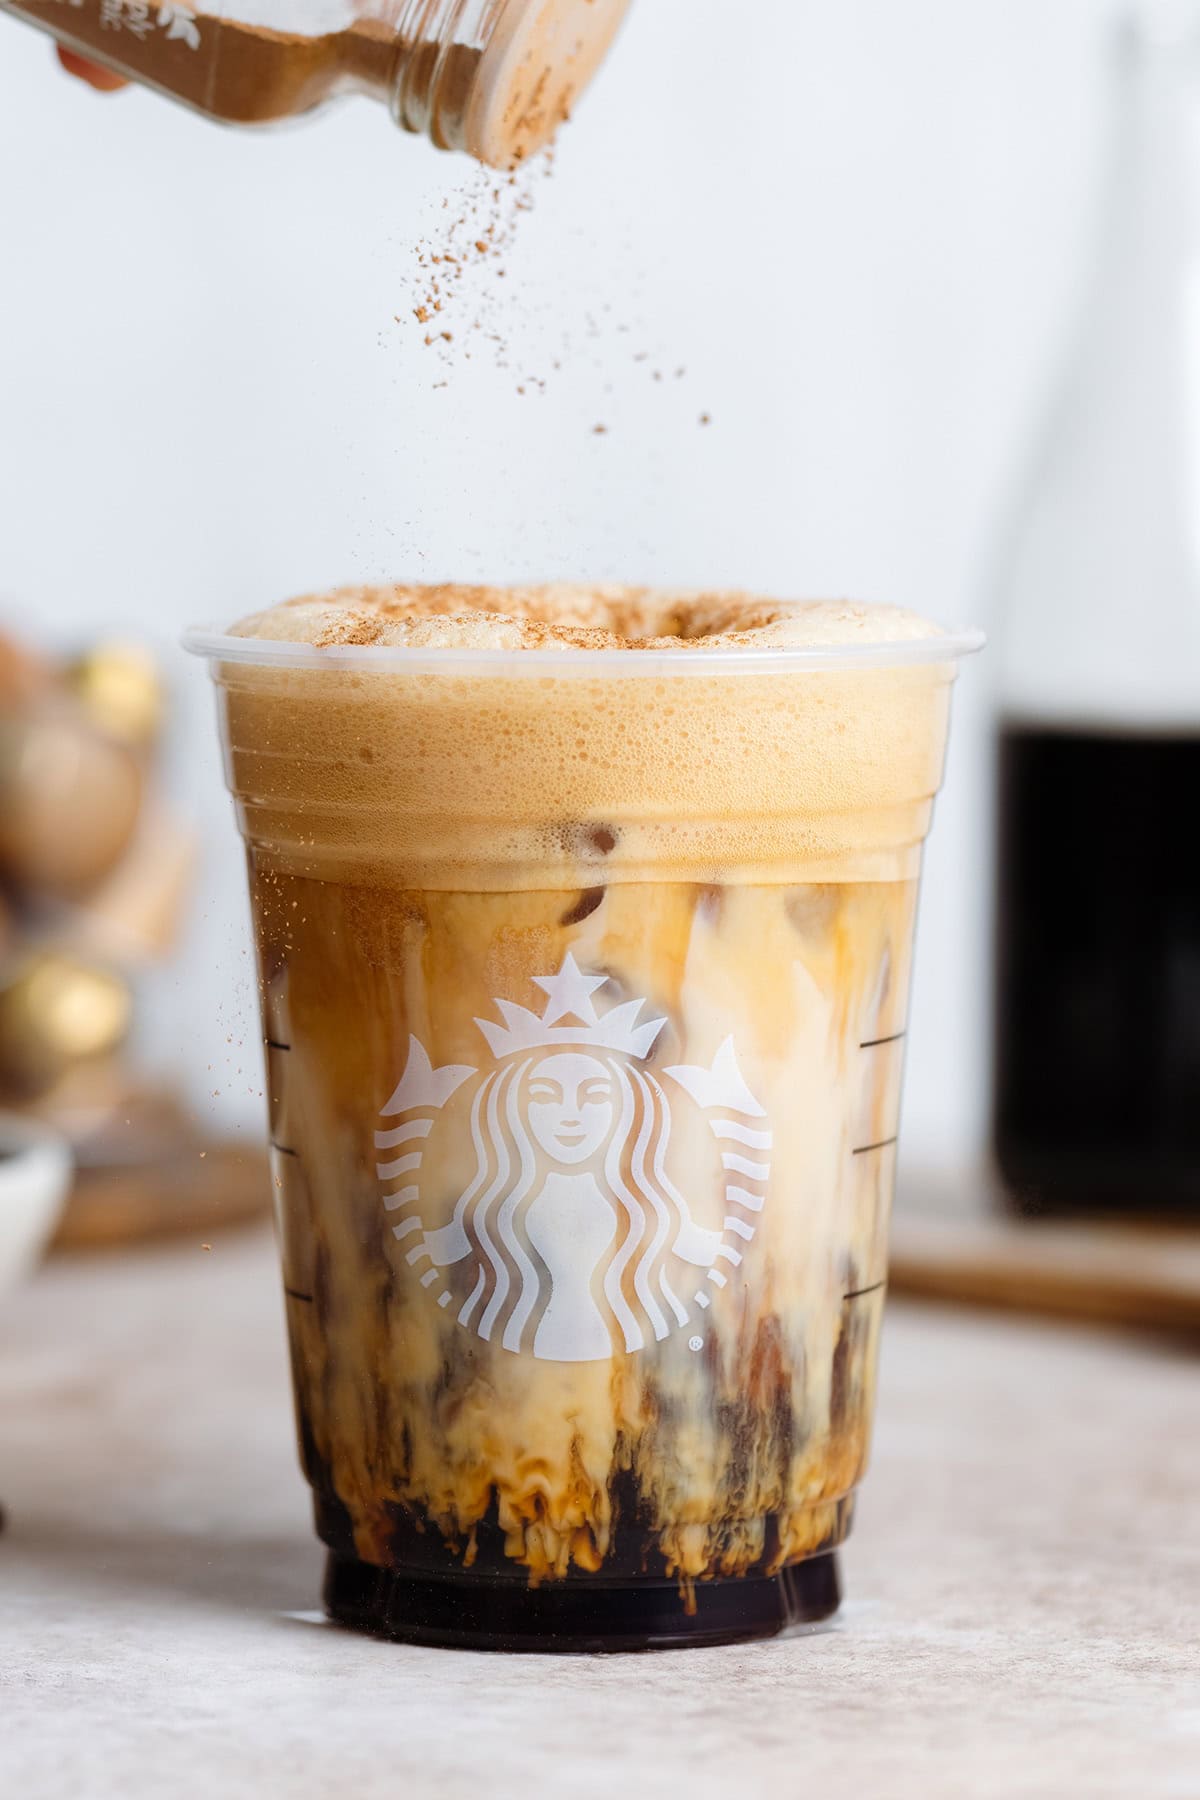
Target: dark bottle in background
(1096, 1085)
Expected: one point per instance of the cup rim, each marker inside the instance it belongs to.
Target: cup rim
(218, 646)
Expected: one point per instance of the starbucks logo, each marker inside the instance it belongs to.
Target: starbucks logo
(569, 1240)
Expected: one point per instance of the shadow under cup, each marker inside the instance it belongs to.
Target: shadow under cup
(585, 983)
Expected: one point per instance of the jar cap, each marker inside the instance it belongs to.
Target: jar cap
(540, 57)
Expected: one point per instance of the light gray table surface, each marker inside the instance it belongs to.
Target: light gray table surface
(1024, 1584)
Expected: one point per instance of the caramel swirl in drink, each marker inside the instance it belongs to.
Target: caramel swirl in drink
(584, 921)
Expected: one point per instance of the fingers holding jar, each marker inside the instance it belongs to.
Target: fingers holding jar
(103, 80)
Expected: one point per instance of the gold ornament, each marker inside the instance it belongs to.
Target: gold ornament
(56, 1011)
(119, 688)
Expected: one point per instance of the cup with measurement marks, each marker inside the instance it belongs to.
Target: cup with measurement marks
(584, 923)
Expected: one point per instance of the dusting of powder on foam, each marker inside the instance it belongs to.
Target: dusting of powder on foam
(574, 617)
(491, 781)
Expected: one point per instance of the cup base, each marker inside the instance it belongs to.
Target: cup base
(571, 1619)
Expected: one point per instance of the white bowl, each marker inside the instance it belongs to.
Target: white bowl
(35, 1174)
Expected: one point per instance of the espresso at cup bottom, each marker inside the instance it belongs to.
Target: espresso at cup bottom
(583, 1137)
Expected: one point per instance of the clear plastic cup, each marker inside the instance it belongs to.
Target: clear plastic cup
(585, 986)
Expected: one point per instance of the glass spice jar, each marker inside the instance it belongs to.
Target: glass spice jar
(495, 78)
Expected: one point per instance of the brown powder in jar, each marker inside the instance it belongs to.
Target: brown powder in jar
(242, 74)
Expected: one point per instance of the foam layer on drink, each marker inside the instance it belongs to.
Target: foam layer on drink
(496, 775)
(569, 616)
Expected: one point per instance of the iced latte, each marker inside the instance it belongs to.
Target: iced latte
(584, 925)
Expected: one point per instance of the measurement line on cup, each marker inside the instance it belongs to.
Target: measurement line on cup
(878, 1043)
(274, 1044)
(283, 1150)
(295, 1294)
(883, 1144)
(861, 1293)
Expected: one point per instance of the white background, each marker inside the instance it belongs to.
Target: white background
(858, 226)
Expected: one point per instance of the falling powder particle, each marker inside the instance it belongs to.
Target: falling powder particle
(457, 254)
(457, 264)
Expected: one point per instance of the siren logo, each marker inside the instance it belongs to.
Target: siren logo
(564, 1236)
